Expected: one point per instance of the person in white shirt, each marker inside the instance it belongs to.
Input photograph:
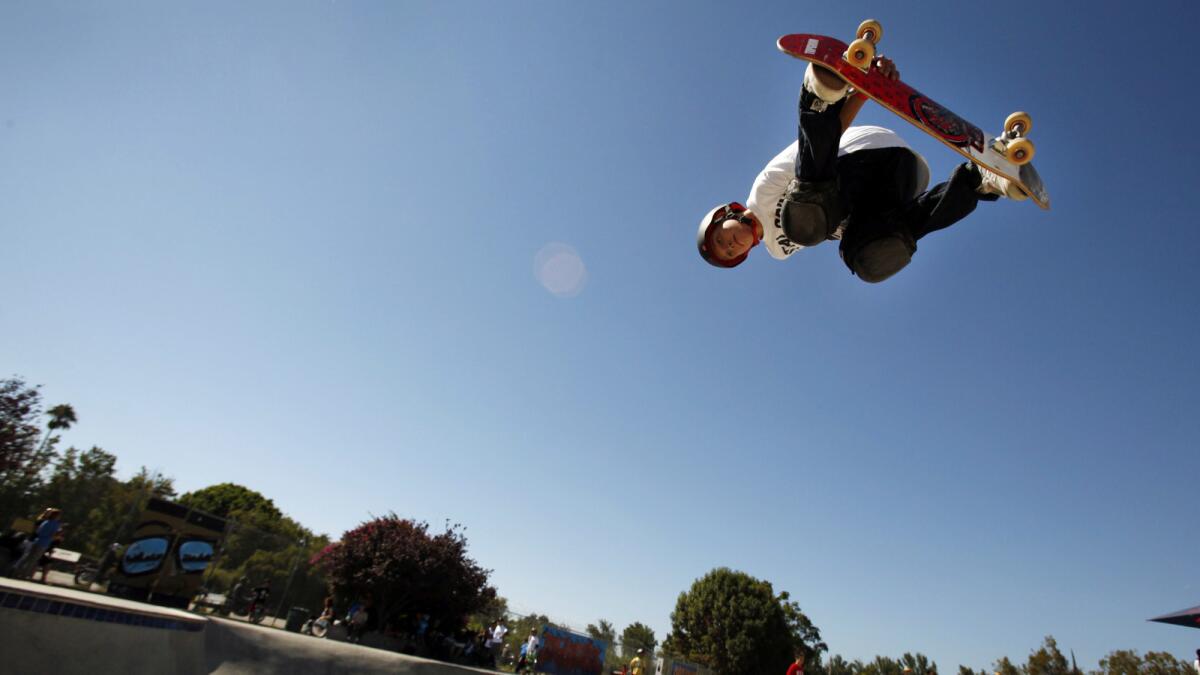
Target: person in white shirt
(497, 637)
(1196, 663)
(862, 185)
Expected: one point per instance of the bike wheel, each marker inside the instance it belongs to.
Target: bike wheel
(320, 629)
(85, 577)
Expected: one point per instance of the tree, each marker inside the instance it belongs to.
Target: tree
(408, 570)
(1048, 660)
(1162, 663)
(606, 633)
(485, 617)
(1005, 667)
(637, 636)
(262, 544)
(1120, 662)
(882, 665)
(918, 663)
(837, 666)
(84, 485)
(734, 624)
(230, 500)
(800, 626)
(62, 416)
(1128, 662)
(22, 459)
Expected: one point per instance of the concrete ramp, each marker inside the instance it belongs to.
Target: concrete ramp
(236, 648)
(44, 629)
(59, 631)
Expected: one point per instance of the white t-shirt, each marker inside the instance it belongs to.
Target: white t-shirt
(498, 635)
(769, 188)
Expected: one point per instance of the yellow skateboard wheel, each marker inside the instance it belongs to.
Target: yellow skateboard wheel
(870, 30)
(860, 54)
(1020, 151)
(1018, 124)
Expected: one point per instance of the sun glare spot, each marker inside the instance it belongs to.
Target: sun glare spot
(559, 269)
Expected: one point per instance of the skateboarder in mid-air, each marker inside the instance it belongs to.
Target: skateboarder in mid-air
(862, 185)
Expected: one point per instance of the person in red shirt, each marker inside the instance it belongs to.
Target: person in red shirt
(797, 668)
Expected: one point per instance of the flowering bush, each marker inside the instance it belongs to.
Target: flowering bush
(407, 571)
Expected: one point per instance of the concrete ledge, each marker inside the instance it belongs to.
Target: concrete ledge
(57, 630)
(45, 629)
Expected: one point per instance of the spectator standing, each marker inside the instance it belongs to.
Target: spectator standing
(45, 560)
(422, 629)
(233, 602)
(638, 666)
(43, 536)
(520, 667)
(797, 667)
(497, 638)
(1196, 663)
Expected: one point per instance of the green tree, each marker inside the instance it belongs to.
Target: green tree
(734, 624)
(22, 459)
(918, 663)
(1006, 667)
(230, 500)
(84, 485)
(637, 636)
(882, 665)
(485, 618)
(1047, 660)
(802, 628)
(604, 631)
(1128, 662)
(62, 416)
(963, 670)
(836, 666)
(1162, 663)
(262, 544)
(1120, 662)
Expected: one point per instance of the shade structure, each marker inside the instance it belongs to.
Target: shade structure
(1184, 617)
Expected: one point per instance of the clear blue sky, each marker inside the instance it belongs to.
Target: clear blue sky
(292, 245)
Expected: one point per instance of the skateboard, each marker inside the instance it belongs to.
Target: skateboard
(1008, 154)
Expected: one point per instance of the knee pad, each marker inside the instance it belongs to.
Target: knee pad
(880, 259)
(811, 212)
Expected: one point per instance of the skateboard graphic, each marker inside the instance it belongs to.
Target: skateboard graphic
(1008, 154)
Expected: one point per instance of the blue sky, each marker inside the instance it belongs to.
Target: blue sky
(292, 245)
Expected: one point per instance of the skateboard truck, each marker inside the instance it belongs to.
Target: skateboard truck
(1012, 143)
(861, 52)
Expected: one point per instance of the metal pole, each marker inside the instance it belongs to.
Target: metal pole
(291, 575)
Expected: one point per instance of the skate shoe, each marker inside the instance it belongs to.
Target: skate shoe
(991, 183)
(824, 94)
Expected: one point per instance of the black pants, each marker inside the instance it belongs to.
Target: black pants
(877, 187)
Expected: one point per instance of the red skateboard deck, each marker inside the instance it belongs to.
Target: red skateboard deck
(922, 111)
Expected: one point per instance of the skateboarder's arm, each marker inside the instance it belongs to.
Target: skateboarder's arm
(850, 109)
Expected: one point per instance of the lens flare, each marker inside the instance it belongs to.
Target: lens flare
(560, 270)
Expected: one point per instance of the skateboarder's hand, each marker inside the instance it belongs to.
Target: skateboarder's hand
(887, 67)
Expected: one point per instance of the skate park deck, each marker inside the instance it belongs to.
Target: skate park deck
(45, 629)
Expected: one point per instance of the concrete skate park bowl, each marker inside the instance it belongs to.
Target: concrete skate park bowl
(62, 631)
